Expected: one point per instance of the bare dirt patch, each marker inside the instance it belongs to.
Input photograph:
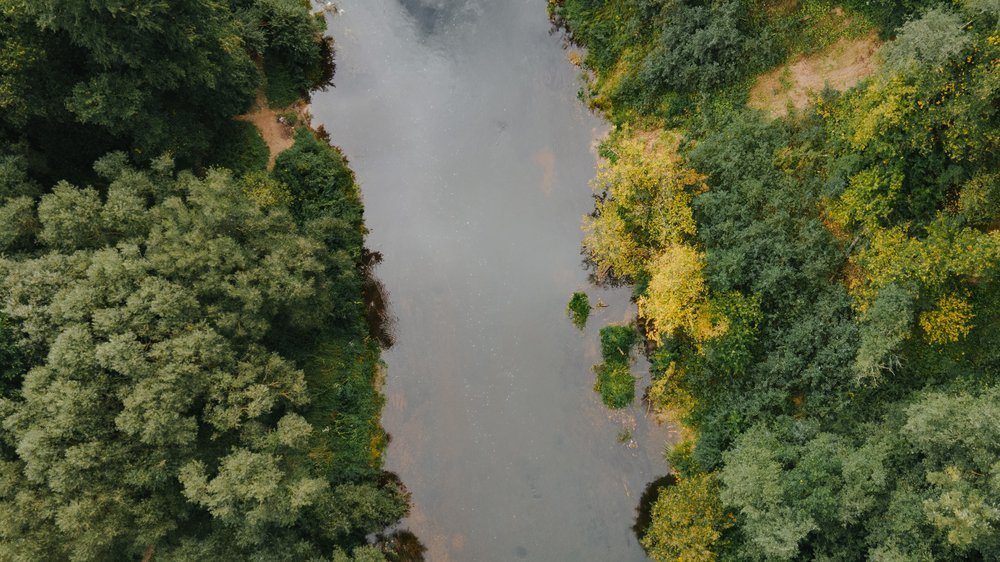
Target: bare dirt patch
(277, 132)
(840, 65)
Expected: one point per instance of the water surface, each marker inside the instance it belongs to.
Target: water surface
(461, 120)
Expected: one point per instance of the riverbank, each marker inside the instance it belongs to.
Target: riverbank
(790, 267)
(197, 379)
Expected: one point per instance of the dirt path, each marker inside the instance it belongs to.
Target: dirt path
(278, 134)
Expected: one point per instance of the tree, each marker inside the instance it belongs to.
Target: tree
(931, 40)
(676, 297)
(644, 203)
(688, 520)
(162, 410)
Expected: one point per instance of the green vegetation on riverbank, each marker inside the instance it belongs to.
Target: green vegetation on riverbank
(821, 283)
(186, 372)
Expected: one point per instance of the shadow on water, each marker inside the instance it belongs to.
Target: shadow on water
(644, 513)
(381, 322)
(399, 545)
(427, 14)
(402, 545)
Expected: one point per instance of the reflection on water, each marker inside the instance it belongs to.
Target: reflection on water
(381, 323)
(430, 16)
(402, 546)
(461, 121)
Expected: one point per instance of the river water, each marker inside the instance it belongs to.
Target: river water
(461, 121)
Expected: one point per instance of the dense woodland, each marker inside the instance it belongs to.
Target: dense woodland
(820, 290)
(186, 372)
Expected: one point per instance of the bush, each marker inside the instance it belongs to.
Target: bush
(617, 343)
(579, 309)
(615, 384)
(700, 48)
(319, 180)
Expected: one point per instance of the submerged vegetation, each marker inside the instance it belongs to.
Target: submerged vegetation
(186, 372)
(819, 284)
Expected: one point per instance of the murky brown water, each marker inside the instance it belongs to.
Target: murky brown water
(461, 120)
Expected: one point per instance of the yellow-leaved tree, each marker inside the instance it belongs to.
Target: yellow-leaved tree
(677, 297)
(688, 519)
(644, 204)
(949, 321)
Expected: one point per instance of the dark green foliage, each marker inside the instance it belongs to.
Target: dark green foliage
(617, 343)
(320, 180)
(14, 361)
(615, 381)
(153, 77)
(615, 384)
(287, 38)
(283, 89)
(240, 148)
(85, 79)
(14, 179)
(579, 309)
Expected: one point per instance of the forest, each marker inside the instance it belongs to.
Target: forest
(186, 370)
(817, 270)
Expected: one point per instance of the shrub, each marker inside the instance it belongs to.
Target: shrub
(617, 343)
(579, 309)
(615, 384)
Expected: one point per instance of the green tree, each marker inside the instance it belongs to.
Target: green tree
(688, 521)
(161, 413)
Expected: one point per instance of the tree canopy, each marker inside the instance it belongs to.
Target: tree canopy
(186, 372)
(825, 325)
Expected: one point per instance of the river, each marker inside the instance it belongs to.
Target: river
(461, 121)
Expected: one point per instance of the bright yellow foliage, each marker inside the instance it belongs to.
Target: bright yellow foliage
(668, 396)
(647, 203)
(947, 252)
(688, 519)
(882, 105)
(266, 191)
(868, 199)
(950, 321)
(677, 297)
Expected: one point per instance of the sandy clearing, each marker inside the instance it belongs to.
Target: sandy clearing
(841, 65)
(278, 134)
